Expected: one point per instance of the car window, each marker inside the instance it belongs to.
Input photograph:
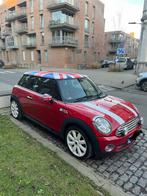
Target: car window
(30, 82)
(75, 89)
(49, 86)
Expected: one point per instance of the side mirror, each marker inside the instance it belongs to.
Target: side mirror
(47, 98)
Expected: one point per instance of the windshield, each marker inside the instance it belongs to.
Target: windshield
(76, 90)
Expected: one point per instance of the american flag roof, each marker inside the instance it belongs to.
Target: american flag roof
(54, 74)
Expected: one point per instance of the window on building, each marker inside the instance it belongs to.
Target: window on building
(42, 37)
(32, 5)
(86, 41)
(41, 4)
(32, 55)
(32, 22)
(86, 8)
(93, 28)
(46, 56)
(60, 17)
(23, 55)
(41, 21)
(93, 13)
(86, 25)
(85, 56)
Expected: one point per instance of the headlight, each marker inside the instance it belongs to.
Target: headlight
(102, 125)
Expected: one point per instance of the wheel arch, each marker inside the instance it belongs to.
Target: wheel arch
(87, 130)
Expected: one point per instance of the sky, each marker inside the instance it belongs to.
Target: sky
(119, 12)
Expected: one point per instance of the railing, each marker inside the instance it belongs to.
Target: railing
(117, 40)
(64, 41)
(21, 13)
(21, 29)
(71, 3)
(56, 23)
(29, 44)
(11, 16)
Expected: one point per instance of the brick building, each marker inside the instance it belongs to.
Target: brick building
(120, 39)
(60, 33)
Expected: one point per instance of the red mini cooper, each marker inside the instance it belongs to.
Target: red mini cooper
(72, 106)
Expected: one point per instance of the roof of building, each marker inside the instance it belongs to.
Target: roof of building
(54, 74)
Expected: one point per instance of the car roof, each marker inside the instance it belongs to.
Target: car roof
(54, 74)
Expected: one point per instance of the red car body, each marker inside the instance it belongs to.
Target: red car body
(57, 115)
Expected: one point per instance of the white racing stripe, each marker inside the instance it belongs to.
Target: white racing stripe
(107, 112)
(125, 106)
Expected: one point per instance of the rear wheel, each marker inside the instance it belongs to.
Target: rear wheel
(144, 85)
(15, 109)
(78, 143)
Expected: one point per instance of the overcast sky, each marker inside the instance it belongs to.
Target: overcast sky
(119, 12)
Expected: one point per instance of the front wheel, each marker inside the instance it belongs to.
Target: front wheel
(144, 85)
(78, 143)
(15, 110)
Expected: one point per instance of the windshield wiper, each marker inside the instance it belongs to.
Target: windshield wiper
(84, 98)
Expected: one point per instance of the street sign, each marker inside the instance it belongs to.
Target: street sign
(120, 51)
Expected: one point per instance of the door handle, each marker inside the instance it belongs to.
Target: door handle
(29, 97)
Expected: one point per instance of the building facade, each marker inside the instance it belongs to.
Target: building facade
(60, 33)
(120, 39)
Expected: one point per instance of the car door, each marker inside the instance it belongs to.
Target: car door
(50, 113)
(28, 96)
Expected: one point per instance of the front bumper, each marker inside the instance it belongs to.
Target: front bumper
(118, 143)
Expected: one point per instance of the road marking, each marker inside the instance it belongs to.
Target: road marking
(5, 72)
(9, 72)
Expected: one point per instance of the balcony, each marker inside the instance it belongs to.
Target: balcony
(63, 42)
(11, 16)
(21, 29)
(21, 15)
(117, 40)
(65, 6)
(6, 32)
(12, 46)
(29, 44)
(62, 25)
(2, 46)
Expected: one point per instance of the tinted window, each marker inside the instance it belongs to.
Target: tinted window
(49, 86)
(30, 82)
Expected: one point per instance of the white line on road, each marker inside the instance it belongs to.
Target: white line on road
(4, 72)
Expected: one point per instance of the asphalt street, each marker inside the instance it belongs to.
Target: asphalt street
(133, 94)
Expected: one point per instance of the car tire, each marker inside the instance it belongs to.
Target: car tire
(143, 85)
(78, 143)
(16, 111)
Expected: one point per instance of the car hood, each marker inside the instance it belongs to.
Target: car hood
(112, 108)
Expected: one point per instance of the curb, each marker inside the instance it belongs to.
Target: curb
(114, 190)
(4, 101)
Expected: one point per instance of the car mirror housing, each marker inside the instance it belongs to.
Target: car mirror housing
(47, 98)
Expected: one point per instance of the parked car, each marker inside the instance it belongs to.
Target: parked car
(125, 63)
(106, 63)
(142, 81)
(72, 106)
(2, 63)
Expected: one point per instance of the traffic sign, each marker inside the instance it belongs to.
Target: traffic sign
(120, 51)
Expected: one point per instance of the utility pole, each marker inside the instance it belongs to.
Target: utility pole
(142, 52)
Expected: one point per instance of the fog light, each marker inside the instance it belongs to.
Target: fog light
(109, 148)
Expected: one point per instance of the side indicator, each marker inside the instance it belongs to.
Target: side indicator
(63, 110)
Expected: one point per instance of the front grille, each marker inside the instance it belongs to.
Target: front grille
(129, 126)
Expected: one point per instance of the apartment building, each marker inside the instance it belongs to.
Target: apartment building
(120, 39)
(61, 33)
